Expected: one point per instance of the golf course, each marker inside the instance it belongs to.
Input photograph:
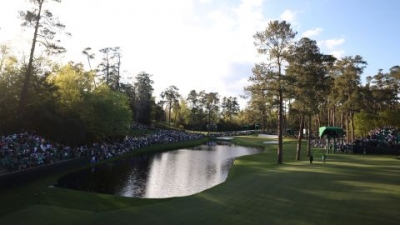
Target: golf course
(347, 189)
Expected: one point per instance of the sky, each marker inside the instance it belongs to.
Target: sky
(208, 44)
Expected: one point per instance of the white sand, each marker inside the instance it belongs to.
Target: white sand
(225, 138)
(267, 136)
(270, 142)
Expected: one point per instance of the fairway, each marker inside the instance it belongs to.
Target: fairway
(348, 189)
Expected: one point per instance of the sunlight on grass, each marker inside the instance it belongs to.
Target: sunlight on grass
(329, 195)
(210, 198)
(372, 187)
(312, 169)
(353, 164)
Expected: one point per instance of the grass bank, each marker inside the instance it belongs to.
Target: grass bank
(348, 189)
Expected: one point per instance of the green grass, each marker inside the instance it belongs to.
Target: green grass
(348, 189)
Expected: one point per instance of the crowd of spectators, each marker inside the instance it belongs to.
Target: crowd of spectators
(380, 137)
(385, 137)
(26, 150)
(341, 144)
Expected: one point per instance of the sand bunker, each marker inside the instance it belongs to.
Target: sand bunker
(267, 136)
(225, 138)
(270, 142)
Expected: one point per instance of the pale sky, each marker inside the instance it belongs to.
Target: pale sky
(208, 44)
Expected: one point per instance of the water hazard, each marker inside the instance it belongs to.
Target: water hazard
(170, 174)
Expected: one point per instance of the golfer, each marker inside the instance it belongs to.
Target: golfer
(323, 158)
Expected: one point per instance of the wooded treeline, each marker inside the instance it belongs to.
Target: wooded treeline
(296, 87)
(308, 89)
(72, 104)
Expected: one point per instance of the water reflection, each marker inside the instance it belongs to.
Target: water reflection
(169, 174)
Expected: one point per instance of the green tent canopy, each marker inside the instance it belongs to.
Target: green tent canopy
(331, 131)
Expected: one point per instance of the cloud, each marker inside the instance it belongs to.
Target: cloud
(288, 15)
(180, 42)
(312, 32)
(238, 78)
(332, 43)
(239, 73)
(243, 82)
(338, 54)
(253, 3)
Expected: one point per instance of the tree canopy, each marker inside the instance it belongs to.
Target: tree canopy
(293, 87)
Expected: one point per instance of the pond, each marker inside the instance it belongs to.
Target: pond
(169, 174)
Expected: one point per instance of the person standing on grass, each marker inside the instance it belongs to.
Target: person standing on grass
(311, 158)
(323, 158)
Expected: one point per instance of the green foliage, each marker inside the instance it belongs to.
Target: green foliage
(347, 92)
(142, 98)
(307, 75)
(230, 108)
(10, 87)
(171, 96)
(274, 42)
(106, 113)
(65, 107)
(72, 82)
(65, 128)
(48, 101)
(45, 29)
(193, 100)
(210, 104)
(363, 123)
(110, 67)
(382, 89)
(46, 26)
(389, 118)
(182, 114)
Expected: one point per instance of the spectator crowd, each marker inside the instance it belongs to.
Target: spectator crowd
(380, 137)
(383, 137)
(26, 150)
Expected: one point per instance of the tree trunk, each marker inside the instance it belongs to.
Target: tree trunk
(118, 72)
(169, 113)
(90, 66)
(329, 116)
(309, 136)
(352, 125)
(300, 137)
(107, 70)
(209, 121)
(284, 115)
(175, 119)
(280, 114)
(289, 117)
(342, 123)
(333, 115)
(29, 70)
(347, 130)
(280, 126)
(263, 117)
